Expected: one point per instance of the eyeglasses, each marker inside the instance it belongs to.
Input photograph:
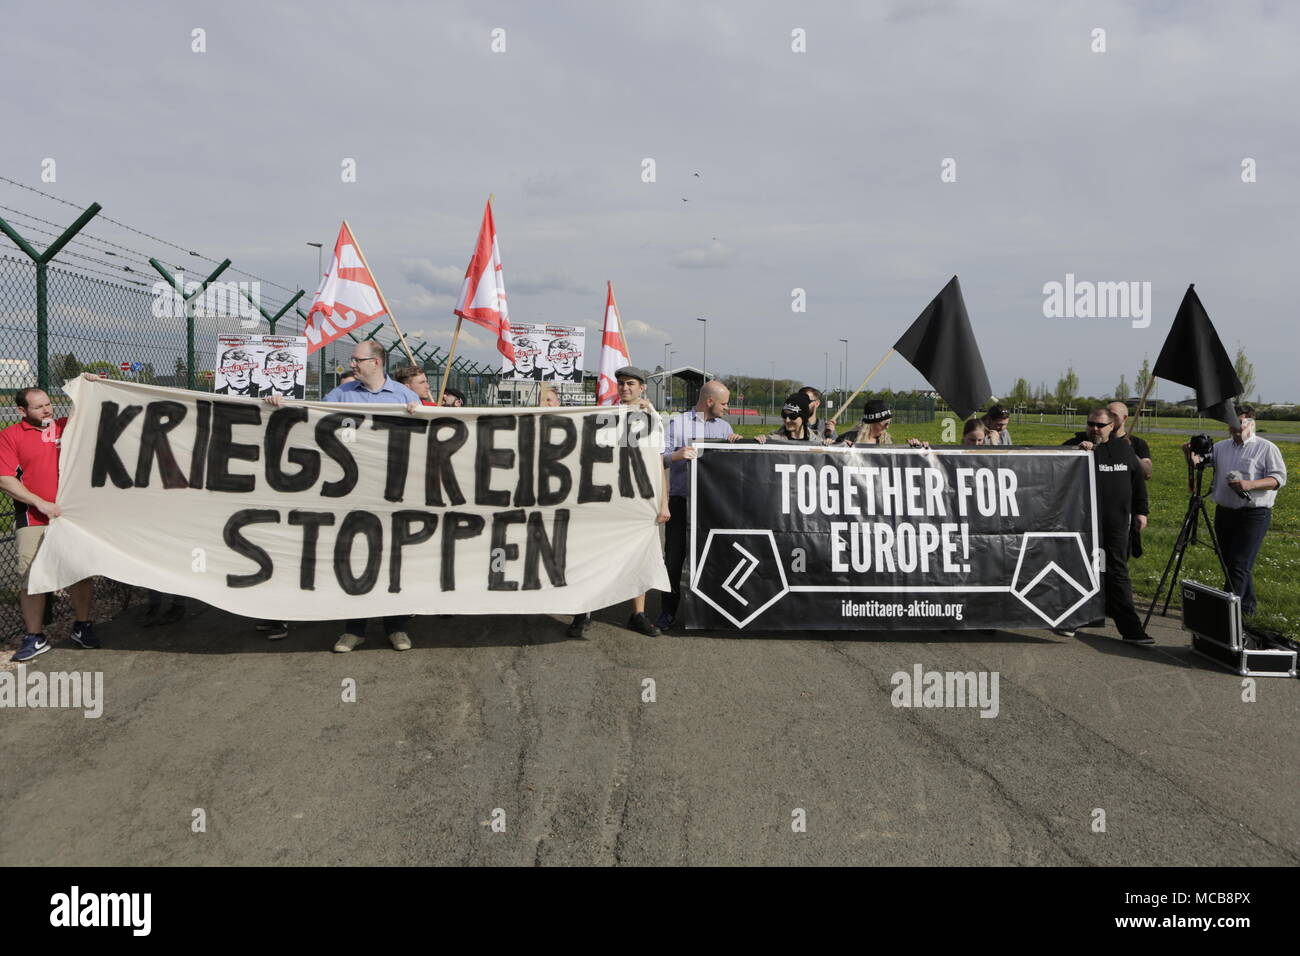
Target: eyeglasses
(791, 418)
(353, 360)
(1099, 424)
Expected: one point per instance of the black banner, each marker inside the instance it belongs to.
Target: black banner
(790, 538)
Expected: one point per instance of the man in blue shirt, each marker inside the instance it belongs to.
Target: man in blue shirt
(372, 385)
(704, 421)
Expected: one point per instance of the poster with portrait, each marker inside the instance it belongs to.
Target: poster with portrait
(545, 353)
(261, 365)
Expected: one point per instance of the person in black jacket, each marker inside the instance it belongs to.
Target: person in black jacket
(1121, 501)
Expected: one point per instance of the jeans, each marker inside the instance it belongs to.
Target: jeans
(1241, 534)
(395, 622)
(1116, 585)
(676, 535)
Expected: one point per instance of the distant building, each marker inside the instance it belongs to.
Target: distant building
(16, 374)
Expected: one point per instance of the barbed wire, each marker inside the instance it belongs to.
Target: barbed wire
(147, 235)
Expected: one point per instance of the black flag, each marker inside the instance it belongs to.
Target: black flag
(941, 346)
(1193, 356)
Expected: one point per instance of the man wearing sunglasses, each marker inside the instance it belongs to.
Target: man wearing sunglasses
(1121, 502)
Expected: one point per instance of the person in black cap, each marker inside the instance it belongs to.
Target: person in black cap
(794, 423)
(631, 391)
(874, 430)
(995, 426)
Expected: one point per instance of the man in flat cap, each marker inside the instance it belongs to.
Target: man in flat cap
(631, 391)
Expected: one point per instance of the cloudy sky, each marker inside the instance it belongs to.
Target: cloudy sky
(775, 169)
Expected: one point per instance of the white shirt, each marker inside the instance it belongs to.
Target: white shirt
(1255, 458)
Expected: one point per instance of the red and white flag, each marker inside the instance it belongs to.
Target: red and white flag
(348, 296)
(483, 296)
(613, 353)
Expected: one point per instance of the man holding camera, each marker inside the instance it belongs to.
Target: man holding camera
(1248, 471)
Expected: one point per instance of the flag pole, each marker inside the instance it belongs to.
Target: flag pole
(1142, 404)
(460, 319)
(870, 376)
(446, 372)
(382, 301)
(621, 335)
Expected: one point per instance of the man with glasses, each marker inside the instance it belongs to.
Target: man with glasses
(1121, 502)
(371, 386)
(1248, 472)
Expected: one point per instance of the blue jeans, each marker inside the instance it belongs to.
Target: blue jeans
(1241, 534)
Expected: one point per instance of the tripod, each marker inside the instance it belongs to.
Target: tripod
(1196, 510)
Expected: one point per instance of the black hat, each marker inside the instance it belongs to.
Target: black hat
(876, 411)
(631, 371)
(797, 404)
(997, 411)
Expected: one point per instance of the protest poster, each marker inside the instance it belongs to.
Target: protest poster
(545, 353)
(260, 365)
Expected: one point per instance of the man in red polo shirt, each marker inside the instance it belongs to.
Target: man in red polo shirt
(29, 473)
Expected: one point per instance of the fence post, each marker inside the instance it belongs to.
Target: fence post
(189, 311)
(42, 260)
(272, 319)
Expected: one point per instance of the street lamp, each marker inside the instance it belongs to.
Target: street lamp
(705, 363)
(846, 368)
(773, 392)
(671, 383)
(320, 273)
(664, 381)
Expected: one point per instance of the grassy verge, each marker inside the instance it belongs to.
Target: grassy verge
(1277, 569)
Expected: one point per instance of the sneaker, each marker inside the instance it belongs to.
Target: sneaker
(579, 626)
(275, 630)
(1063, 631)
(33, 645)
(1140, 639)
(641, 623)
(664, 621)
(400, 641)
(348, 642)
(84, 634)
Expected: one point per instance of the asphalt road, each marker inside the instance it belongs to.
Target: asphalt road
(505, 712)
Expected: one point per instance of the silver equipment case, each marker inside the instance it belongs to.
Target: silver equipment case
(1214, 619)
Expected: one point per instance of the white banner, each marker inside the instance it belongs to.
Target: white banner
(322, 511)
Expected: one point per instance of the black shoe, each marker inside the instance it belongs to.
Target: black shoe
(641, 624)
(579, 625)
(83, 633)
(278, 630)
(1140, 639)
(171, 615)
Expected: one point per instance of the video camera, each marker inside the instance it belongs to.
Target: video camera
(1201, 444)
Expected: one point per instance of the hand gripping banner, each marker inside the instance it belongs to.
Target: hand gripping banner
(321, 511)
(892, 538)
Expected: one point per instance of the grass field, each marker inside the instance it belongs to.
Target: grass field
(1277, 569)
(1190, 425)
